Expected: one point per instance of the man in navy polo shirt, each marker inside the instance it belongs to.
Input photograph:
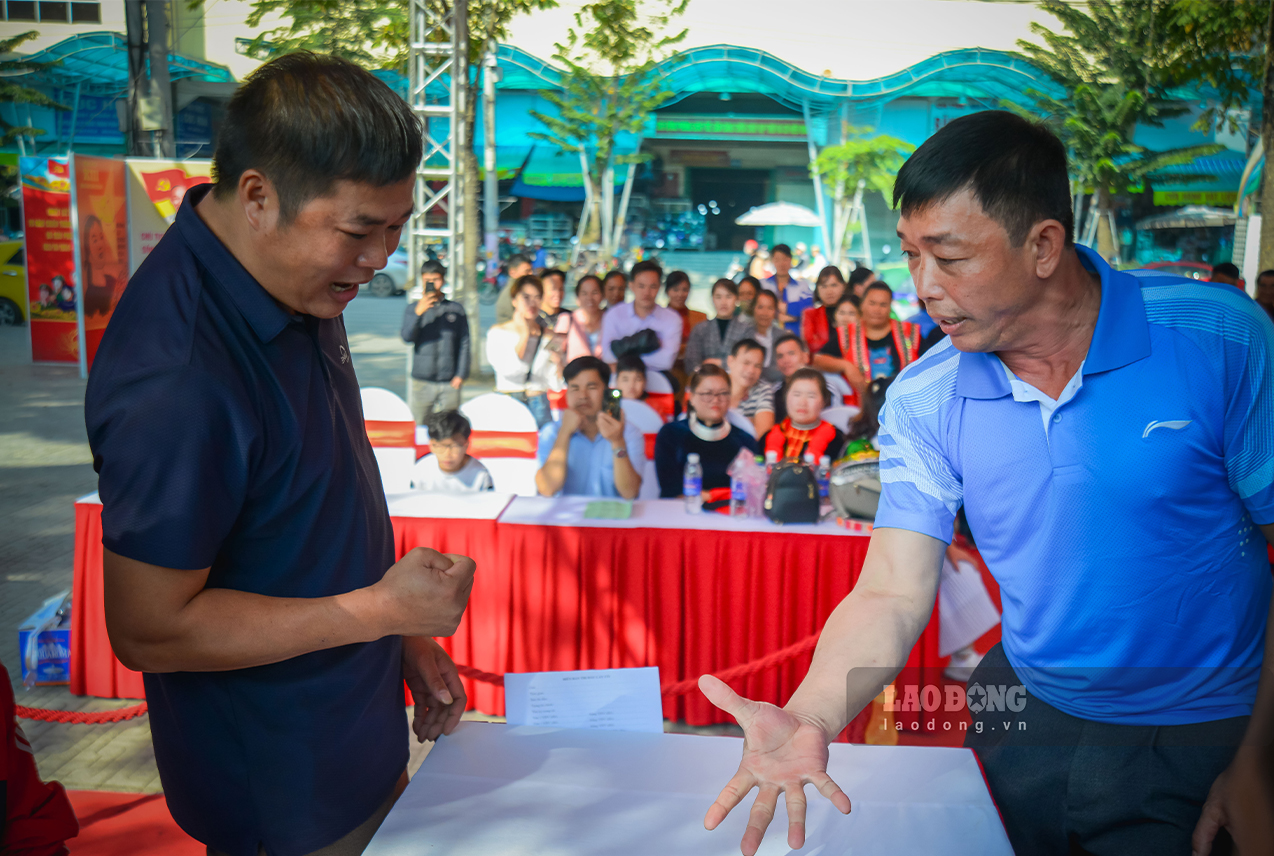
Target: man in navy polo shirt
(1111, 438)
(249, 558)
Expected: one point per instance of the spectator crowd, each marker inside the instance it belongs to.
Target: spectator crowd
(629, 383)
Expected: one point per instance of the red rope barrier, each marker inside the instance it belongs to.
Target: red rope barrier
(743, 670)
(80, 717)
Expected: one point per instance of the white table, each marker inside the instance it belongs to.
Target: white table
(504, 791)
(652, 514)
(484, 505)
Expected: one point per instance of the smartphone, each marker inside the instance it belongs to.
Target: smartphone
(429, 288)
(610, 403)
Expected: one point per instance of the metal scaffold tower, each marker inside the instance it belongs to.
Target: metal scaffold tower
(439, 73)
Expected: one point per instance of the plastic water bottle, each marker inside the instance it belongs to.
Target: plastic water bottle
(738, 496)
(824, 474)
(692, 484)
(771, 461)
(808, 457)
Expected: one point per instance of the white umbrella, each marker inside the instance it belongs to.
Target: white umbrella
(780, 214)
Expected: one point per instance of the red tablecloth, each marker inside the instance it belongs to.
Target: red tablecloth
(561, 597)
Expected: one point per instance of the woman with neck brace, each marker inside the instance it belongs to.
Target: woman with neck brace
(705, 432)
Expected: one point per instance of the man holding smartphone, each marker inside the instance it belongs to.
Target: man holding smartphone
(593, 451)
(438, 331)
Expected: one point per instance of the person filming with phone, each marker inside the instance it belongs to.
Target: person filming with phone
(593, 451)
(438, 331)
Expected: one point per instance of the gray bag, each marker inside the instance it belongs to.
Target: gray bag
(855, 489)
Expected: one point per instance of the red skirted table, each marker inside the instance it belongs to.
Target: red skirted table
(690, 594)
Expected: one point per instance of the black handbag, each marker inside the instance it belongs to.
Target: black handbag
(639, 343)
(791, 494)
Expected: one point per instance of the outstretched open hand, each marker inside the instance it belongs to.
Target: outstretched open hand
(781, 754)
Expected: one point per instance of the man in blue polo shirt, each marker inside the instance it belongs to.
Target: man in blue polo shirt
(1111, 438)
(249, 558)
(589, 452)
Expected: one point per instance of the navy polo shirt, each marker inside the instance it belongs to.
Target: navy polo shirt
(1135, 585)
(228, 434)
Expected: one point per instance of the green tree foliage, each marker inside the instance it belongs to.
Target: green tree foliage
(859, 163)
(1116, 64)
(1219, 45)
(610, 87)
(13, 92)
(370, 33)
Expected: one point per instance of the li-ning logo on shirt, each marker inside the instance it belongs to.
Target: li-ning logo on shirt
(1175, 425)
(345, 358)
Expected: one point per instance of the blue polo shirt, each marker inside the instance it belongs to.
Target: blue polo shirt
(590, 464)
(228, 434)
(1135, 585)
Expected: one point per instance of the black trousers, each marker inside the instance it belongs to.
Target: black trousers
(1071, 786)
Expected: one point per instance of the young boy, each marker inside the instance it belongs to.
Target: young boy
(630, 377)
(448, 467)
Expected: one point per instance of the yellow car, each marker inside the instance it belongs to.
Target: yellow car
(13, 283)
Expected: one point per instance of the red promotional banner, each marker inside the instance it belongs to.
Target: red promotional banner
(51, 285)
(103, 225)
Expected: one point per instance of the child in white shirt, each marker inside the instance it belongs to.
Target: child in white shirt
(448, 467)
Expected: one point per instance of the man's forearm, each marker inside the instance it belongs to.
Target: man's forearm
(872, 630)
(550, 477)
(627, 480)
(223, 629)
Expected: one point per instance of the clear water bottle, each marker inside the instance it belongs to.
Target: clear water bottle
(692, 484)
(738, 496)
(808, 457)
(771, 461)
(824, 473)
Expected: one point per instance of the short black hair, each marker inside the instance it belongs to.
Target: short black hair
(584, 364)
(765, 291)
(1264, 273)
(807, 373)
(307, 121)
(728, 284)
(879, 285)
(781, 248)
(547, 272)
(613, 272)
(630, 363)
(433, 266)
(756, 283)
(748, 344)
(644, 266)
(675, 279)
(1016, 169)
(515, 260)
(1227, 269)
(791, 337)
(445, 424)
(860, 275)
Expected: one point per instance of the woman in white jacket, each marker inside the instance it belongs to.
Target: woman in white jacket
(519, 354)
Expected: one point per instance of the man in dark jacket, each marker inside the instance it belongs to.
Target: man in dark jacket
(438, 331)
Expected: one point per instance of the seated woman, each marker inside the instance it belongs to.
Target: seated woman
(803, 431)
(677, 287)
(817, 321)
(748, 287)
(524, 368)
(706, 432)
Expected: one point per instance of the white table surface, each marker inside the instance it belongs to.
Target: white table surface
(486, 505)
(651, 514)
(499, 790)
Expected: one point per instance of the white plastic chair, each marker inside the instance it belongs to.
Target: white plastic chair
(840, 416)
(493, 412)
(736, 418)
(394, 458)
(838, 385)
(644, 418)
(656, 382)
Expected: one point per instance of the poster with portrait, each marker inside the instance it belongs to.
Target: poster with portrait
(50, 259)
(102, 216)
(156, 189)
